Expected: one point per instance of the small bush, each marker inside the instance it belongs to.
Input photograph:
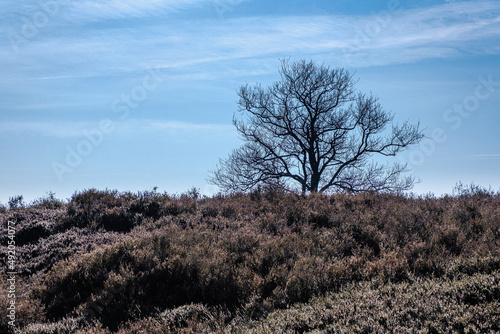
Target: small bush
(65, 326)
(100, 209)
(16, 202)
(210, 212)
(31, 234)
(48, 202)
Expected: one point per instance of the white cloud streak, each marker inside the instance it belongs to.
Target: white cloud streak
(183, 126)
(46, 129)
(118, 9)
(99, 10)
(66, 130)
(485, 156)
(195, 49)
(441, 31)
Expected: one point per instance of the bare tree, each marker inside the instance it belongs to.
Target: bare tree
(312, 130)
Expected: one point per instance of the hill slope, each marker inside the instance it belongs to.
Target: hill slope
(265, 262)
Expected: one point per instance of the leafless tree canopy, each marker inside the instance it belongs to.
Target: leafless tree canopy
(314, 132)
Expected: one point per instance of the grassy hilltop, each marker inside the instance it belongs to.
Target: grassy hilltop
(265, 262)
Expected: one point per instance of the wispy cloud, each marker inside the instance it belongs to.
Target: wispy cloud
(195, 49)
(133, 126)
(46, 129)
(175, 125)
(178, 129)
(486, 156)
(409, 35)
(84, 11)
(448, 30)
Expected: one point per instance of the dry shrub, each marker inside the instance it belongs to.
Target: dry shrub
(27, 310)
(100, 209)
(251, 256)
(469, 305)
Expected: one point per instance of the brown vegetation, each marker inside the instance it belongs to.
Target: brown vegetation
(261, 262)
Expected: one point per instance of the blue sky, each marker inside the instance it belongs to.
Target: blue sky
(130, 95)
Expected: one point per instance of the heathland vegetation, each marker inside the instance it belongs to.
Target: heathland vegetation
(262, 262)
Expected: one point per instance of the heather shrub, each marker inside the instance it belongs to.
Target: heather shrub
(427, 306)
(148, 204)
(48, 202)
(472, 190)
(29, 234)
(32, 224)
(228, 212)
(155, 205)
(100, 209)
(448, 239)
(268, 261)
(41, 256)
(309, 276)
(16, 202)
(72, 282)
(117, 219)
(27, 310)
(210, 212)
(192, 318)
(197, 317)
(65, 326)
(149, 272)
